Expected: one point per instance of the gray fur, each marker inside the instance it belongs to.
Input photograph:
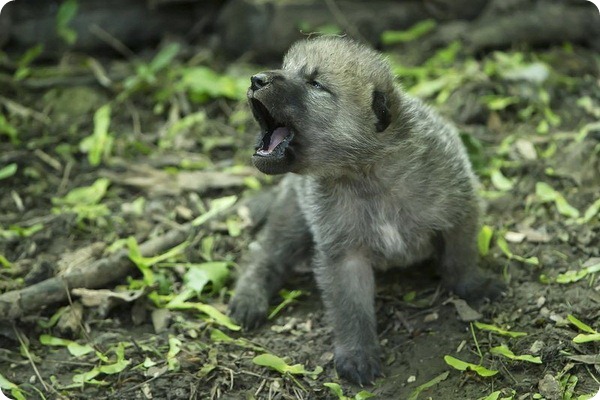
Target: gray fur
(365, 193)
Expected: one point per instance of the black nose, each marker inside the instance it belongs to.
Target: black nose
(259, 81)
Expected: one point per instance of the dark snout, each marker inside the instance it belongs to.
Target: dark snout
(269, 96)
(262, 80)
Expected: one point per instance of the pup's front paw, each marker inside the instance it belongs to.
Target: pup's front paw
(479, 286)
(359, 366)
(249, 308)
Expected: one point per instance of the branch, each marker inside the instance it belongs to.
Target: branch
(17, 303)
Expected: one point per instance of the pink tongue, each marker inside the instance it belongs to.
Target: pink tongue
(277, 137)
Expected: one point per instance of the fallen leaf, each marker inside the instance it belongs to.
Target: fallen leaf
(69, 322)
(506, 352)
(104, 299)
(500, 181)
(591, 262)
(465, 366)
(586, 359)
(441, 377)
(484, 239)
(279, 365)
(159, 182)
(500, 331)
(465, 312)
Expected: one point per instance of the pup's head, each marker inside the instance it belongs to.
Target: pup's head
(329, 108)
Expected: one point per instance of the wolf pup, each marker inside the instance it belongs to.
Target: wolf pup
(377, 180)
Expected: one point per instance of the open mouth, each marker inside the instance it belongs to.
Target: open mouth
(276, 136)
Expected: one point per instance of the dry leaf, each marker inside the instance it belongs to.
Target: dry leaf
(159, 182)
(69, 322)
(465, 312)
(105, 299)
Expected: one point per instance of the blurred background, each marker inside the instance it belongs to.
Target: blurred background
(263, 30)
(125, 144)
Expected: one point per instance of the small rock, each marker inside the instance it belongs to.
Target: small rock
(514, 237)
(540, 302)
(139, 312)
(536, 347)
(147, 391)
(560, 321)
(184, 212)
(526, 149)
(326, 358)
(156, 371)
(160, 319)
(411, 379)
(192, 333)
(289, 325)
(275, 386)
(305, 326)
(550, 388)
(431, 317)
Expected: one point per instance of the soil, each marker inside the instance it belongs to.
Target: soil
(417, 320)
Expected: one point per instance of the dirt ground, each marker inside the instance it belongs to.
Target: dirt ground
(523, 129)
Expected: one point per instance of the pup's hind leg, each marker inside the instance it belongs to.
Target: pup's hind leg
(458, 254)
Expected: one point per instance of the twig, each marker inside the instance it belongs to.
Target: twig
(20, 109)
(26, 350)
(260, 387)
(51, 161)
(99, 72)
(135, 117)
(592, 374)
(508, 372)
(17, 303)
(139, 385)
(339, 16)
(65, 81)
(111, 41)
(65, 178)
(476, 343)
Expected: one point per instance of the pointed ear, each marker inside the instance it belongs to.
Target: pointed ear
(382, 111)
